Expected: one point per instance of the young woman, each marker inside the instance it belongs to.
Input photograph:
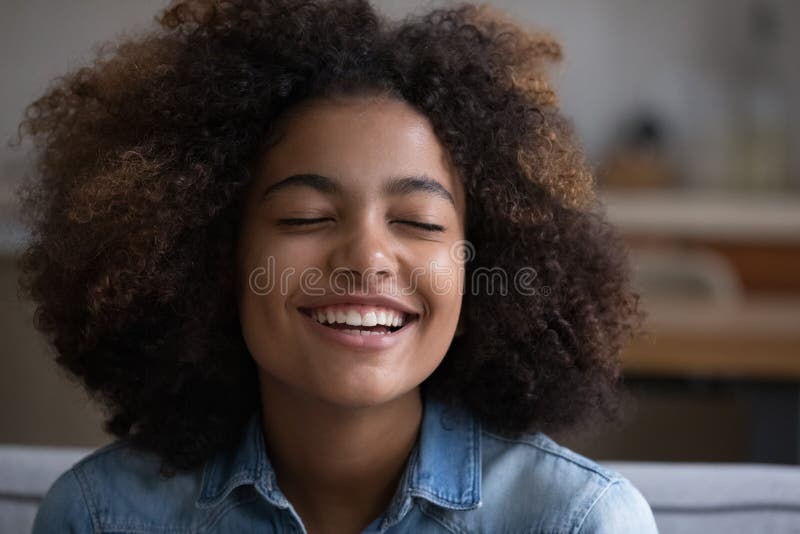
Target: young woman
(328, 273)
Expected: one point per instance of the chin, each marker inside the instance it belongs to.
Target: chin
(362, 395)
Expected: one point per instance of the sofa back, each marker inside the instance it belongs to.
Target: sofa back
(730, 498)
(686, 498)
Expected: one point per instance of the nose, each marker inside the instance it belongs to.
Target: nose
(364, 252)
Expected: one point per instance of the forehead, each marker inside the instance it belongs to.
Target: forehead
(358, 140)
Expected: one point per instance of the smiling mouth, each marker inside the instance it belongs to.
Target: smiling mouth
(360, 329)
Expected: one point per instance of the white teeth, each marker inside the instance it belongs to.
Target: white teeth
(353, 318)
(362, 333)
(369, 319)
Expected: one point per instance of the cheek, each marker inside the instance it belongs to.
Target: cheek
(441, 284)
(261, 282)
(268, 266)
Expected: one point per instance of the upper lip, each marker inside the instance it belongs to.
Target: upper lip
(369, 300)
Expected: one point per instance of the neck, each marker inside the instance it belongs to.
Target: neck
(338, 465)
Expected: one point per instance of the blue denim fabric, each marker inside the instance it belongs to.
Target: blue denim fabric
(459, 478)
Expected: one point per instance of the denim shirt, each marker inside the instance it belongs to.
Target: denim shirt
(459, 478)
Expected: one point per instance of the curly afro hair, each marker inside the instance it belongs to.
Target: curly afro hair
(143, 157)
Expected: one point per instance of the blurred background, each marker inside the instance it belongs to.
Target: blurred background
(689, 114)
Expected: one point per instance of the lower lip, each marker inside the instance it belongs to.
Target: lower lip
(352, 341)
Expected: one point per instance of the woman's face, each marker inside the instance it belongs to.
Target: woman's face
(366, 172)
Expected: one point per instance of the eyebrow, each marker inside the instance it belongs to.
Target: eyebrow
(401, 185)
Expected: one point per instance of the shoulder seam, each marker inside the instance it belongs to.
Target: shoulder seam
(600, 495)
(605, 475)
(92, 512)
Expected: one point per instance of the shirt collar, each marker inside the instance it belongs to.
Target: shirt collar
(444, 467)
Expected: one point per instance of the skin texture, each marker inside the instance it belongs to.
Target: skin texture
(340, 423)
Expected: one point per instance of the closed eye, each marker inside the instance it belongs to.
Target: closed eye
(308, 222)
(301, 222)
(424, 226)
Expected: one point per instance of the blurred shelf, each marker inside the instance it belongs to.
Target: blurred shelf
(757, 339)
(702, 214)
